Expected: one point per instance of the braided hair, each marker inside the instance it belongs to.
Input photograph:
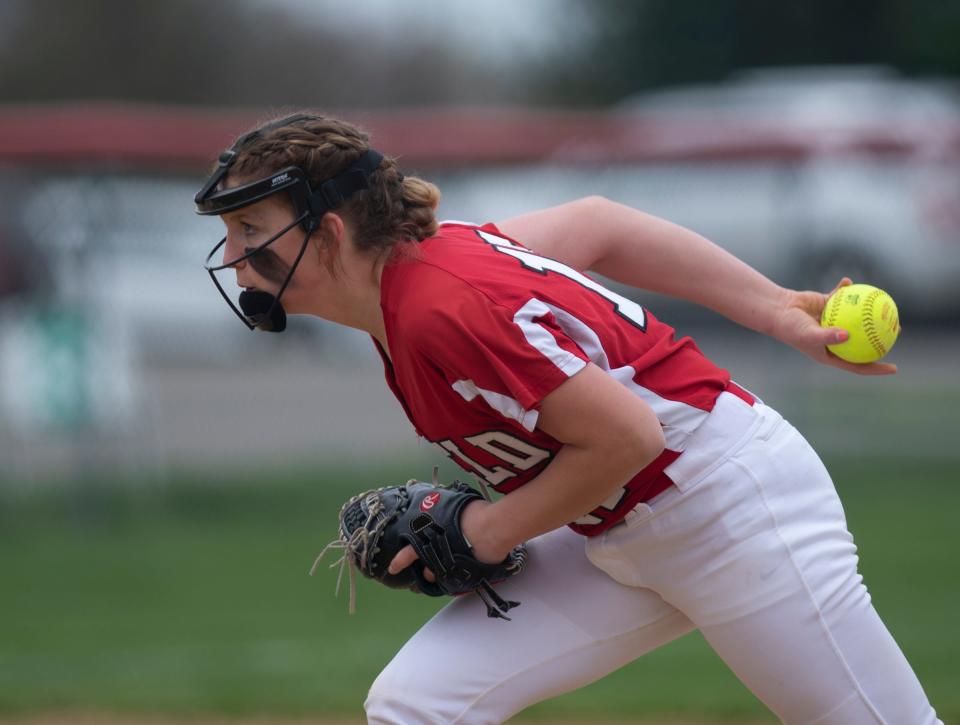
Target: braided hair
(394, 209)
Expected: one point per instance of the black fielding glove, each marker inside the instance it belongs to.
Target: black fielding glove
(377, 524)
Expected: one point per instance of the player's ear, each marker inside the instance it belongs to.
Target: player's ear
(327, 237)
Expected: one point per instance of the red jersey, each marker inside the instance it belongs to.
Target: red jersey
(481, 329)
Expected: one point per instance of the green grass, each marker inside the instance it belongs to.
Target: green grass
(194, 599)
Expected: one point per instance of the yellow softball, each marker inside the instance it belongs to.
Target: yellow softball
(869, 315)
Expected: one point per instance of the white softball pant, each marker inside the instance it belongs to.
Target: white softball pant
(750, 547)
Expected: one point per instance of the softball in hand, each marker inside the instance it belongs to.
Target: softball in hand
(870, 317)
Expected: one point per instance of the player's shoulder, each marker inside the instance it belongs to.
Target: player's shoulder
(436, 270)
(458, 257)
(475, 237)
(485, 235)
(451, 280)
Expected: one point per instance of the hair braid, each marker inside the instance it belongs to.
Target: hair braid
(393, 210)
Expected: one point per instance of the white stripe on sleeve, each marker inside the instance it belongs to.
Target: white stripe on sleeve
(678, 419)
(542, 340)
(503, 404)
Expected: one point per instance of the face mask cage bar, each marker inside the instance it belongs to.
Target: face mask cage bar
(271, 318)
(263, 311)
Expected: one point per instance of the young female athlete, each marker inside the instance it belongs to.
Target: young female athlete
(657, 495)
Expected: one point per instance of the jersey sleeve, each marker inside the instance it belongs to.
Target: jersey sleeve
(512, 358)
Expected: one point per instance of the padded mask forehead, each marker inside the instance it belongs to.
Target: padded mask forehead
(221, 200)
(308, 202)
(213, 187)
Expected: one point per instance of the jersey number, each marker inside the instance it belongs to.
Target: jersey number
(518, 454)
(627, 309)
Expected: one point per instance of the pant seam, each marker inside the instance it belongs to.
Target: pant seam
(853, 696)
(803, 580)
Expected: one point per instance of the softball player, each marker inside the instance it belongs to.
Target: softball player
(689, 503)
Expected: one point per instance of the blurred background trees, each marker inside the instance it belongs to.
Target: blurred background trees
(377, 53)
(233, 53)
(636, 45)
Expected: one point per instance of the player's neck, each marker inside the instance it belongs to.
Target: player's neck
(351, 297)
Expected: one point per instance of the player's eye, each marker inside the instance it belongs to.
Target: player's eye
(247, 228)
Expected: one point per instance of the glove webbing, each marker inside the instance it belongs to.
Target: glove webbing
(496, 605)
(359, 538)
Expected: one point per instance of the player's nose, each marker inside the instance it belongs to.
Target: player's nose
(234, 251)
(231, 250)
(243, 278)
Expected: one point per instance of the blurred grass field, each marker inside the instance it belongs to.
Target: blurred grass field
(189, 600)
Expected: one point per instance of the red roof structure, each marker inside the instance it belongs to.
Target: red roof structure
(171, 137)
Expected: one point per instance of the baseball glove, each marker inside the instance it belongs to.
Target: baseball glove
(377, 524)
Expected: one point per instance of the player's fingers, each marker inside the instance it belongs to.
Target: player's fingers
(404, 558)
(874, 368)
(833, 335)
(844, 282)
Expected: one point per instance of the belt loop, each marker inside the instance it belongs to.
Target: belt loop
(637, 515)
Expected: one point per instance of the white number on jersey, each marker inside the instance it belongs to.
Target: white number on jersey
(519, 454)
(627, 309)
(516, 453)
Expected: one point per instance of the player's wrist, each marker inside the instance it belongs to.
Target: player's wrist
(489, 542)
(773, 321)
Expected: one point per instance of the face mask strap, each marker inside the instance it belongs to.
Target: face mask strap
(335, 191)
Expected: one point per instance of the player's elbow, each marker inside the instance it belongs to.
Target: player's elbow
(594, 412)
(594, 207)
(646, 444)
(639, 428)
(603, 227)
(630, 447)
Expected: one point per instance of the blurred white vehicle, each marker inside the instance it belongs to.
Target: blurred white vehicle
(817, 98)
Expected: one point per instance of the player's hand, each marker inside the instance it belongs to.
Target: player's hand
(475, 529)
(798, 325)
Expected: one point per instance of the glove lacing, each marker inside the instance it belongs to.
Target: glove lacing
(358, 543)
